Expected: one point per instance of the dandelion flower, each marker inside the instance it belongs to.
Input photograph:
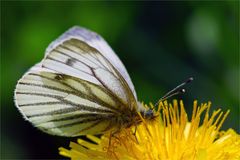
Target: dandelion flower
(170, 136)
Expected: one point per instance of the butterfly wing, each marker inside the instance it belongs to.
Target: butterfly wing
(75, 58)
(75, 90)
(96, 41)
(63, 106)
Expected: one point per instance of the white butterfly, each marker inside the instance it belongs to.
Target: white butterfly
(80, 87)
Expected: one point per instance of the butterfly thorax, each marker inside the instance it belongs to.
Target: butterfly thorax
(132, 118)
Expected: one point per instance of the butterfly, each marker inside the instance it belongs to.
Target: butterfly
(80, 87)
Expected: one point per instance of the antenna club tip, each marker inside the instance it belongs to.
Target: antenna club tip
(182, 90)
(189, 80)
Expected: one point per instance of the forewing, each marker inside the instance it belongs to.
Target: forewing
(95, 41)
(76, 58)
(64, 105)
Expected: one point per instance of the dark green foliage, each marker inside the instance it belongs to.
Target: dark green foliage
(161, 45)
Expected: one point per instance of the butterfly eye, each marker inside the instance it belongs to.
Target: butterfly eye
(148, 114)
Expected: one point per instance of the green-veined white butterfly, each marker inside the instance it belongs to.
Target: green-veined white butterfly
(80, 87)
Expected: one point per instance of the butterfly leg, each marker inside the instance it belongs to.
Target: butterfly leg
(110, 140)
(112, 135)
(134, 133)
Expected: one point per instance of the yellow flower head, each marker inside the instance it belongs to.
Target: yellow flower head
(170, 136)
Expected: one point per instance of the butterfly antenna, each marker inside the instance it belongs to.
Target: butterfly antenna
(177, 90)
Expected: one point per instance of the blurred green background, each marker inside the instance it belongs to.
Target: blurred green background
(160, 43)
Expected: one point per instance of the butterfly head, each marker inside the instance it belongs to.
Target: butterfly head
(148, 114)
